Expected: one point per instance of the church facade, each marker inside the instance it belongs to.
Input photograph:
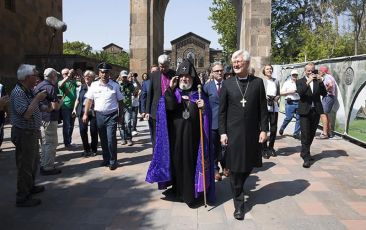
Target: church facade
(196, 48)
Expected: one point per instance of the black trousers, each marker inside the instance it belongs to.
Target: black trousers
(83, 128)
(26, 143)
(237, 180)
(217, 149)
(273, 120)
(308, 125)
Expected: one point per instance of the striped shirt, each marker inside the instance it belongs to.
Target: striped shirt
(19, 102)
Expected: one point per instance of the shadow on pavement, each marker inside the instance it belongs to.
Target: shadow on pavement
(273, 191)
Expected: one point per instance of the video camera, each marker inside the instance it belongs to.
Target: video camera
(270, 100)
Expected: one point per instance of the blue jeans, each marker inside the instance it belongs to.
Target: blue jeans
(67, 125)
(107, 128)
(291, 111)
(125, 129)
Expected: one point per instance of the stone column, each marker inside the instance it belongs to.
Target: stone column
(254, 30)
(146, 33)
(139, 35)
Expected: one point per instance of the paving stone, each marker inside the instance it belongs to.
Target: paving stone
(280, 195)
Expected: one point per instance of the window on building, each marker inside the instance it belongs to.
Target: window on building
(10, 5)
(201, 62)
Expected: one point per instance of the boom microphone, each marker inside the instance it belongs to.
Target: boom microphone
(56, 24)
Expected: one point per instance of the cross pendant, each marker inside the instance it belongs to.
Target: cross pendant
(243, 101)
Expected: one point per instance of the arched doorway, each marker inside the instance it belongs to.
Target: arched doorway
(147, 31)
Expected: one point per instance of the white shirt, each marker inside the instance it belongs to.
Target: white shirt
(105, 96)
(135, 99)
(272, 91)
(217, 84)
(290, 85)
(312, 89)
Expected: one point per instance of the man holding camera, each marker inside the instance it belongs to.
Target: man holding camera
(309, 88)
(67, 87)
(292, 104)
(49, 122)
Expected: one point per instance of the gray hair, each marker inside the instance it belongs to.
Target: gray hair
(25, 70)
(216, 63)
(243, 53)
(89, 73)
(163, 59)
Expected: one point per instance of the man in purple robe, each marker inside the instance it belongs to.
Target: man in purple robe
(177, 158)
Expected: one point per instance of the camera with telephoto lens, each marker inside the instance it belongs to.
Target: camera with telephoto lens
(270, 100)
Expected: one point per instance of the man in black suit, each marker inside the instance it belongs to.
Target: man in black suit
(310, 87)
(159, 83)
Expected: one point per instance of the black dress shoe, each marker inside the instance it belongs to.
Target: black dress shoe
(306, 164)
(113, 166)
(104, 164)
(37, 189)
(265, 154)
(31, 202)
(239, 214)
(273, 152)
(53, 171)
(280, 132)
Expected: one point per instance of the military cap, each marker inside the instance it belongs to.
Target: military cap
(104, 66)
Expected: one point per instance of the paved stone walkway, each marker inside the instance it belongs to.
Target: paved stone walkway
(281, 195)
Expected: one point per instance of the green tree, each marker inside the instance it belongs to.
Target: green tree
(223, 16)
(77, 47)
(83, 49)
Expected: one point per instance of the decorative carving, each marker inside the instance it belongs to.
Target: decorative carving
(349, 75)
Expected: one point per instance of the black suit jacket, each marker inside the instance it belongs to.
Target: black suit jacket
(307, 97)
(154, 92)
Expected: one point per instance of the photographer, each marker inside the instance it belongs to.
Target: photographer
(309, 88)
(272, 88)
(292, 104)
(50, 114)
(67, 88)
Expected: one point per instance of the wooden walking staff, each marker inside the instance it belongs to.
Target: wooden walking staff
(202, 148)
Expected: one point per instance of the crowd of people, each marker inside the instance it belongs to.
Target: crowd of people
(201, 130)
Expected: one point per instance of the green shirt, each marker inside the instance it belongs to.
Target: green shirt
(127, 90)
(69, 88)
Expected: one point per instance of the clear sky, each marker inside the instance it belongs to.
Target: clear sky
(100, 22)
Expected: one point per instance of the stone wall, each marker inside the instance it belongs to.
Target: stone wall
(350, 74)
(24, 32)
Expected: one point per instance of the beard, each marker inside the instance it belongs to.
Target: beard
(185, 86)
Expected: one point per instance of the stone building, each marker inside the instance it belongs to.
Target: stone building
(24, 32)
(197, 48)
(113, 49)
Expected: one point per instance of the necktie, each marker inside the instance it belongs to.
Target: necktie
(218, 87)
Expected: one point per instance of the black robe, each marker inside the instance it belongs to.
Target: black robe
(243, 125)
(184, 139)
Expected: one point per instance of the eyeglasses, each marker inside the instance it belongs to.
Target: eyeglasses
(218, 70)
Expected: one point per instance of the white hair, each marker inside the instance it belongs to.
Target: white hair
(89, 73)
(64, 70)
(25, 70)
(243, 53)
(163, 59)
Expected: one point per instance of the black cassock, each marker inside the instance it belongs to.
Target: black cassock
(243, 124)
(184, 139)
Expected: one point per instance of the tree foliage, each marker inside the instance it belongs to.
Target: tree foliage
(223, 16)
(83, 49)
(302, 30)
(305, 30)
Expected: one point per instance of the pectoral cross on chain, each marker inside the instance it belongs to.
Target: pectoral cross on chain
(243, 101)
